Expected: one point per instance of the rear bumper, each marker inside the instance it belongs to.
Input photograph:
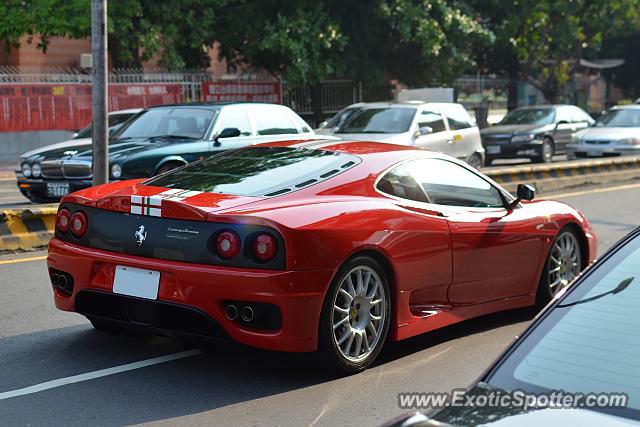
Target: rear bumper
(199, 289)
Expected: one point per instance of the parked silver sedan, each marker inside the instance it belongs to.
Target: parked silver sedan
(443, 127)
(616, 133)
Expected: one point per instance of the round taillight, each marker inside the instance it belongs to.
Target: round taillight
(265, 247)
(62, 220)
(227, 244)
(78, 224)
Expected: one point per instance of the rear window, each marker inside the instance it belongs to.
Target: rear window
(590, 342)
(258, 171)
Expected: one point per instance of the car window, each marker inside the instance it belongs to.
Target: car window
(115, 122)
(299, 122)
(258, 171)
(447, 183)
(399, 182)
(457, 117)
(590, 341)
(340, 117)
(433, 120)
(379, 120)
(579, 116)
(273, 121)
(624, 117)
(563, 115)
(529, 116)
(178, 122)
(232, 117)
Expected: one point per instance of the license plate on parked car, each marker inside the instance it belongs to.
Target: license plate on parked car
(594, 153)
(57, 189)
(136, 282)
(493, 149)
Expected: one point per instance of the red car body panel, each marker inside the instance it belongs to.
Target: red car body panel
(445, 264)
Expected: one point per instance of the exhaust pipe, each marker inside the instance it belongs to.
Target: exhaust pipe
(55, 279)
(62, 282)
(246, 313)
(231, 312)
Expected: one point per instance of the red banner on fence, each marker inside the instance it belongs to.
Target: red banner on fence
(26, 107)
(242, 91)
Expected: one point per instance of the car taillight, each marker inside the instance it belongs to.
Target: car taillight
(265, 247)
(228, 244)
(78, 224)
(63, 219)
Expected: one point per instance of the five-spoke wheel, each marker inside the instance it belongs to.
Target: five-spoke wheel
(564, 263)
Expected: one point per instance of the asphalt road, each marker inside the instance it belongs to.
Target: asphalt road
(230, 384)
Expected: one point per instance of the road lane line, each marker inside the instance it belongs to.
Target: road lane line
(18, 260)
(98, 374)
(595, 190)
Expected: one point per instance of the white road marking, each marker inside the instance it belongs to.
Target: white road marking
(97, 374)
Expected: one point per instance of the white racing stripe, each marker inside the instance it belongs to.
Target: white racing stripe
(97, 374)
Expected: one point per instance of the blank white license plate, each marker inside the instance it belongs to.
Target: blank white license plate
(493, 149)
(57, 189)
(136, 282)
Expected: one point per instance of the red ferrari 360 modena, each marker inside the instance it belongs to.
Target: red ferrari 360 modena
(321, 245)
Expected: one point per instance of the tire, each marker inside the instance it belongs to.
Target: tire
(168, 167)
(547, 149)
(569, 263)
(475, 161)
(355, 344)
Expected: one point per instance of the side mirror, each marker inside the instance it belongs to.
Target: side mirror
(424, 130)
(562, 122)
(226, 133)
(524, 192)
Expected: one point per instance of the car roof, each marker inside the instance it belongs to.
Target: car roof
(394, 104)
(128, 111)
(215, 105)
(626, 107)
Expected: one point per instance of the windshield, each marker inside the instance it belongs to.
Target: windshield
(379, 120)
(115, 122)
(191, 123)
(590, 342)
(258, 171)
(529, 116)
(340, 118)
(624, 118)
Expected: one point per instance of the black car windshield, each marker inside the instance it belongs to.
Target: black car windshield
(624, 118)
(590, 342)
(258, 171)
(115, 122)
(379, 120)
(529, 116)
(191, 123)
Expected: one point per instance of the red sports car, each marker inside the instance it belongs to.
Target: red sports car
(321, 245)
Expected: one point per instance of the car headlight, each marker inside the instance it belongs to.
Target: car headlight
(523, 138)
(35, 170)
(629, 141)
(116, 171)
(26, 170)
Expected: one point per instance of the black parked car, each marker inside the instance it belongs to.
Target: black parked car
(536, 132)
(157, 140)
(586, 341)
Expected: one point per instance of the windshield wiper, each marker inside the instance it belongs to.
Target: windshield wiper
(157, 137)
(621, 287)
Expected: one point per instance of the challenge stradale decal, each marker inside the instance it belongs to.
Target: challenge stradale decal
(152, 205)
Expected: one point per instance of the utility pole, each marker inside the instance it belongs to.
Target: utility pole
(99, 91)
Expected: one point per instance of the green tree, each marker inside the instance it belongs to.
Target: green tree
(549, 37)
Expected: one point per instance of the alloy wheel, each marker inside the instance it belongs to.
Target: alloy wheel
(564, 262)
(358, 313)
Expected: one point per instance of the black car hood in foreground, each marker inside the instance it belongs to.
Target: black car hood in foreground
(510, 416)
(117, 148)
(515, 129)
